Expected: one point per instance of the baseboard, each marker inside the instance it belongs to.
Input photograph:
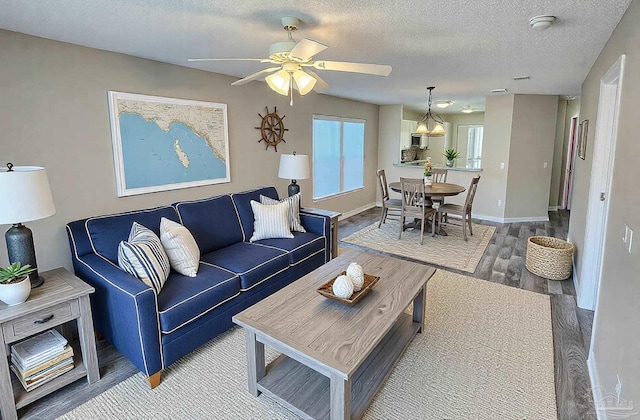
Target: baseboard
(554, 208)
(510, 219)
(353, 212)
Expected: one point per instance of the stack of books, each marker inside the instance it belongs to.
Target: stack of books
(41, 358)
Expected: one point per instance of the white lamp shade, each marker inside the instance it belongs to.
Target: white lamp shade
(26, 195)
(304, 82)
(438, 130)
(279, 82)
(294, 167)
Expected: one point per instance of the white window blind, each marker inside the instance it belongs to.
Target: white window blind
(338, 155)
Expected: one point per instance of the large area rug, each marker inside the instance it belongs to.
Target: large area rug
(486, 353)
(450, 251)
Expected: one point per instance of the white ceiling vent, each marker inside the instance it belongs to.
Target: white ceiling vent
(501, 90)
(519, 78)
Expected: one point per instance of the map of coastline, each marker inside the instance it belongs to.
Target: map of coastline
(206, 122)
(169, 144)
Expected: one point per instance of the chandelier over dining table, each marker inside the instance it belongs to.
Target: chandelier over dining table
(430, 124)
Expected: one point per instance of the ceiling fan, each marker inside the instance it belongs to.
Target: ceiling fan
(294, 61)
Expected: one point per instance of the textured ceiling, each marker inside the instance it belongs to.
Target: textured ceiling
(465, 48)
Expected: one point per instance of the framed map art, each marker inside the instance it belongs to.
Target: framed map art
(162, 144)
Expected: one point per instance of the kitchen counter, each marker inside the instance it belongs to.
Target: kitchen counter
(420, 164)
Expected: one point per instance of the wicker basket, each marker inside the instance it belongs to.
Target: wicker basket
(551, 258)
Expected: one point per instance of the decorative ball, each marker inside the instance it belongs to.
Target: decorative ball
(342, 287)
(355, 273)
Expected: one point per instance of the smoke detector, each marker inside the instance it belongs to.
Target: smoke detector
(541, 22)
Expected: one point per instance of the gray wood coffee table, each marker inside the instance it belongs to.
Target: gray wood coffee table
(334, 357)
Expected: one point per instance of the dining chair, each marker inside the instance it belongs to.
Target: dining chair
(439, 176)
(388, 204)
(415, 206)
(463, 211)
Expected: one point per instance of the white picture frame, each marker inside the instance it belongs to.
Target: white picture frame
(162, 144)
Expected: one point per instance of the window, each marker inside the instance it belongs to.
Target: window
(338, 155)
(474, 147)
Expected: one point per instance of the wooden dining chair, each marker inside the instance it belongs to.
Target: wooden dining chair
(392, 205)
(463, 211)
(439, 176)
(415, 206)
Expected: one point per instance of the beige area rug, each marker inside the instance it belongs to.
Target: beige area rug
(486, 353)
(450, 251)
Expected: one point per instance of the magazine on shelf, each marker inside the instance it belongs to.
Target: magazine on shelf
(38, 349)
(66, 354)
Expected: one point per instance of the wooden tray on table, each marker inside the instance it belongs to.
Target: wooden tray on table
(326, 289)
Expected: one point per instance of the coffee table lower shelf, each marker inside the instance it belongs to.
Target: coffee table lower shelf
(307, 392)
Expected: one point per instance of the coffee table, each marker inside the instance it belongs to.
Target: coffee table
(334, 357)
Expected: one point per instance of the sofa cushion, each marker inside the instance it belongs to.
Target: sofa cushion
(184, 299)
(242, 202)
(302, 246)
(253, 263)
(270, 221)
(213, 222)
(144, 257)
(106, 232)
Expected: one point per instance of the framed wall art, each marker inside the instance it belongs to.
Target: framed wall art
(583, 131)
(162, 144)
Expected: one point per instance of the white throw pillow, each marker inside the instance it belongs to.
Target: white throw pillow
(270, 221)
(143, 257)
(181, 247)
(294, 210)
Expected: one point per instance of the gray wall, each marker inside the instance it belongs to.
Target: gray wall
(615, 331)
(54, 113)
(532, 140)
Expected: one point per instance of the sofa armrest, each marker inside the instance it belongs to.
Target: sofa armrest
(320, 224)
(125, 311)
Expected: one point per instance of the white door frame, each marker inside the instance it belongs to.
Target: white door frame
(571, 161)
(600, 185)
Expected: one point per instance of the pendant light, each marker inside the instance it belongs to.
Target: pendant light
(430, 124)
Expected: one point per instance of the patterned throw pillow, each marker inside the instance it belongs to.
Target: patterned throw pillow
(294, 210)
(143, 257)
(181, 247)
(270, 221)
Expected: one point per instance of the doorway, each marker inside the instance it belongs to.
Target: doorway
(600, 185)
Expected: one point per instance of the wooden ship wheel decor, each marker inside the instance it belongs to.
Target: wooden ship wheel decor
(272, 128)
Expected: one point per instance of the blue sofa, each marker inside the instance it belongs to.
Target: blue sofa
(154, 331)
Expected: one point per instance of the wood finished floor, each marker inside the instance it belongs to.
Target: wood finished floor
(502, 262)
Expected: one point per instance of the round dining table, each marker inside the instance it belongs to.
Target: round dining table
(437, 189)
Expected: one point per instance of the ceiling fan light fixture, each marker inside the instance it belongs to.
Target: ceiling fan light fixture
(279, 82)
(304, 82)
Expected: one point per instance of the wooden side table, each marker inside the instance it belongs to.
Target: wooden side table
(334, 215)
(62, 298)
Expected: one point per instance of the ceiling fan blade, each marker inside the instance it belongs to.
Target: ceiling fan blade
(377, 69)
(255, 76)
(321, 85)
(262, 60)
(306, 49)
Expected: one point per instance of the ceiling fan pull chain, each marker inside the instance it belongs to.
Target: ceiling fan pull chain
(291, 90)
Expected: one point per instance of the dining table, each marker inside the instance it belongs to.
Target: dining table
(436, 189)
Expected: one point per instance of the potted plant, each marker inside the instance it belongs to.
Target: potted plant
(428, 172)
(451, 154)
(14, 283)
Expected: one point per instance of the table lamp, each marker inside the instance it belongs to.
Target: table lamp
(26, 196)
(294, 167)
